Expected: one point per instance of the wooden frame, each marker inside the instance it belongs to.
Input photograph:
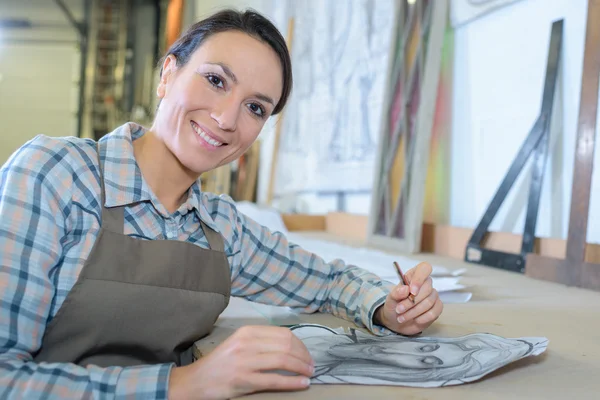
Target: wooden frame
(573, 269)
(406, 151)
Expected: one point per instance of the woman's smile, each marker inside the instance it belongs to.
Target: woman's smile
(206, 139)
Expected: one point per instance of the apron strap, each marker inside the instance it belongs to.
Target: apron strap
(112, 218)
(215, 239)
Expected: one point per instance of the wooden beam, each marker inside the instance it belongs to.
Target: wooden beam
(573, 270)
(304, 222)
(278, 128)
(174, 21)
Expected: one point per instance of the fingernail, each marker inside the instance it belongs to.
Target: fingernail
(312, 370)
(400, 319)
(414, 290)
(305, 382)
(400, 309)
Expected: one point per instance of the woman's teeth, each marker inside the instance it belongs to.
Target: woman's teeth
(205, 137)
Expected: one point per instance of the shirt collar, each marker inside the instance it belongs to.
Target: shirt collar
(123, 180)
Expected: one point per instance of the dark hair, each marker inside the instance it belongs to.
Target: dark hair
(249, 22)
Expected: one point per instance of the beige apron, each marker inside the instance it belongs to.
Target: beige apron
(139, 301)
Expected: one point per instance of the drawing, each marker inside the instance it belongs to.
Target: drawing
(359, 358)
(332, 122)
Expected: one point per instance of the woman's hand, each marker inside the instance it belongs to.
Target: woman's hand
(400, 314)
(239, 366)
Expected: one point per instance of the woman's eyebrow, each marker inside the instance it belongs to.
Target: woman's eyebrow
(265, 98)
(227, 71)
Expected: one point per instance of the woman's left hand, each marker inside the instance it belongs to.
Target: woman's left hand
(400, 314)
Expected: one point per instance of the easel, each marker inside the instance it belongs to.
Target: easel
(574, 270)
(536, 143)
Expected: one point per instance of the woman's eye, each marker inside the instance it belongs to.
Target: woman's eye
(215, 81)
(431, 360)
(428, 348)
(256, 109)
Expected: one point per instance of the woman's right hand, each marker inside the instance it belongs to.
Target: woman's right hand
(240, 366)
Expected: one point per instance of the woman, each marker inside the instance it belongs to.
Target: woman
(114, 262)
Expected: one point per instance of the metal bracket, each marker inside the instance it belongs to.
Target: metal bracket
(80, 27)
(536, 142)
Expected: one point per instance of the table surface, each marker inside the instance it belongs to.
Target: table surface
(503, 303)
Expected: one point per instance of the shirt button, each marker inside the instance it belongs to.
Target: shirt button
(171, 229)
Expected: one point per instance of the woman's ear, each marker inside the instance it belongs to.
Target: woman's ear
(168, 67)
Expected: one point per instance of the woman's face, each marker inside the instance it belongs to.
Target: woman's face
(214, 107)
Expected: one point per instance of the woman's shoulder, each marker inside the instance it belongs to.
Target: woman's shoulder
(65, 167)
(49, 154)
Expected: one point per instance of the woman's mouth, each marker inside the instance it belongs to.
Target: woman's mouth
(205, 136)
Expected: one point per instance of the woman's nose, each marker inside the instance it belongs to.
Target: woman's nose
(226, 114)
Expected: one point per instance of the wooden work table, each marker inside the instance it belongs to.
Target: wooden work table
(504, 303)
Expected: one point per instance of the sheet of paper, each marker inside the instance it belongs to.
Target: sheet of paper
(455, 297)
(354, 357)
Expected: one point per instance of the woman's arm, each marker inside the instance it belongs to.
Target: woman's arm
(266, 268)
(35, 187)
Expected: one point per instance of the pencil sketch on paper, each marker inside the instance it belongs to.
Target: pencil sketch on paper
(354, 357)
(340, 52)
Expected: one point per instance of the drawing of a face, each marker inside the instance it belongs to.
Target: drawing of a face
(444, 353)
(411, 361)
(406, 354)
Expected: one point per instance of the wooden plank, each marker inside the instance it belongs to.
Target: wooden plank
(278, 128)
(573, 270)
(304, 222)
(348, 226)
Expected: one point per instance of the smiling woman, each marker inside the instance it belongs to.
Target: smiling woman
(219, 83)
(114, 262)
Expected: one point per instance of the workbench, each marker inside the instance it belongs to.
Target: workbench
(503, 303)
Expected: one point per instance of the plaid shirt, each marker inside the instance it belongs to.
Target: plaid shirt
(50, 218)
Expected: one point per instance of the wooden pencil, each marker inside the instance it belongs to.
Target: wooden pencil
(403, 280)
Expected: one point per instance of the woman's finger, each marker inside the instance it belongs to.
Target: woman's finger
(407, 304)
(430, 316)
(417, 276)
(273, 381)
(268, 339)
(400, 293)
(420, 308)
(279, 361)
